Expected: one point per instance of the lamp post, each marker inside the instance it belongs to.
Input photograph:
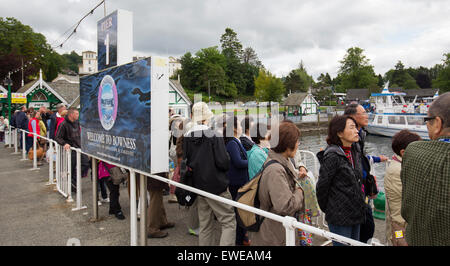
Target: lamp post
(8, 82)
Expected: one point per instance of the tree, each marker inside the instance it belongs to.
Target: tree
(355, 71)
(442, 81)
(324, 80)
(268, 87)
(231, 46)
(250, 57)
(400, 77)
(19, 42)
(298, 80)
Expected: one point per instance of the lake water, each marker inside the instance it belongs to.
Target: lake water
(375, 145)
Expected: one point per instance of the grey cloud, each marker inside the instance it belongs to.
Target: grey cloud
(281, 32)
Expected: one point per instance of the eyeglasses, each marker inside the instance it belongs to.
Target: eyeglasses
(429, 118)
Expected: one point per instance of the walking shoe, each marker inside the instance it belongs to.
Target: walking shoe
(120, 216)
(105, 200)
(99, 203)
(193, 232)
(158, 234)
(167, 225)
(173, 198)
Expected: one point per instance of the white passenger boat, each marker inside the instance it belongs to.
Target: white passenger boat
(393, 114)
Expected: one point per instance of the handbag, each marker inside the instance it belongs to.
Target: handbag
(117, 174)
(185, 197)
(371, 186)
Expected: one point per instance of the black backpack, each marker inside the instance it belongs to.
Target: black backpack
(185, 197)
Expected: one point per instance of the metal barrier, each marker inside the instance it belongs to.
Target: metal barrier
(290, 223)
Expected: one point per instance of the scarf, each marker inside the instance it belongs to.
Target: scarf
(348, 153)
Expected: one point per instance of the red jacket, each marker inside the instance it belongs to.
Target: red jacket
(30, 128)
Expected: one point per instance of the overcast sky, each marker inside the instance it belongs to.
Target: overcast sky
(282, 32)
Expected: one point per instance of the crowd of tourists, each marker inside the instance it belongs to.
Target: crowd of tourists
(222, 154)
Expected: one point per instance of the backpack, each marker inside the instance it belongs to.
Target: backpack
(185, 197)
(248, 195)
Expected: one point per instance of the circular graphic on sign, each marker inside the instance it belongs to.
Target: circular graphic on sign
(107, 102)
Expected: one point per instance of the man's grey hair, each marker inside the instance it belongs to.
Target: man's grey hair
(351, 109)
(441, 107)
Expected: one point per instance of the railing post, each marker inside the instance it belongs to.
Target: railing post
(16, 149)
(79, 182)
(58, 165)
(10, 137)
(24, 157)
(290, 230)
(94, 190)
(133, 216)
(143, 200)
(34, 153)
(69, 175)
(50, 163)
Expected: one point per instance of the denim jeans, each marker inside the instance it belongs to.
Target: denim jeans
(351, 231)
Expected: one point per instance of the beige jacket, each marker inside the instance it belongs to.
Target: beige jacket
(278, 195)
(393, 189)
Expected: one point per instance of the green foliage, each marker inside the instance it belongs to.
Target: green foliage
(268, 87)
(355, 71)
(442, 81)
(71, 61)
(19, 43)
(228, 73)
(401, 77)
(298, 80)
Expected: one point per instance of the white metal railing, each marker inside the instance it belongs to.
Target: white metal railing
(290, 223)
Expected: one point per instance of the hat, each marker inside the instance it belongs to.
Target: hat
(200, 112)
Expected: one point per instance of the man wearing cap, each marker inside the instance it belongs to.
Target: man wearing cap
(208, 158)
(59, 107)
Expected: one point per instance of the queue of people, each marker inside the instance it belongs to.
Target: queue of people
(222, 156)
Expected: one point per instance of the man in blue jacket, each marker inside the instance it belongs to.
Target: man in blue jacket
(21, 121)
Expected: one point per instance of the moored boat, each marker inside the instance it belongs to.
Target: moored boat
(392, 114)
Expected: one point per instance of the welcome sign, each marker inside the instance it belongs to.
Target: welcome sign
(119, 120)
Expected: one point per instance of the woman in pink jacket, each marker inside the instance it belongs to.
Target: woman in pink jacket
(114, 206)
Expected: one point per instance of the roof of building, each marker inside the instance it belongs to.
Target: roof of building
(414, 92)
(68, 78)
(295, 99)
(69, 91)
(177, 85)
(360, 94)
(3, 89)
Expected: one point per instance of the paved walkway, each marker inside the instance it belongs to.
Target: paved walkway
(34, 214)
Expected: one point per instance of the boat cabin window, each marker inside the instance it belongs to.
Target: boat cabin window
(414, 120)
(397, 120)
(380, 119)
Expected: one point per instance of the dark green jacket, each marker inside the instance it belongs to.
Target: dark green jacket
(425, 179)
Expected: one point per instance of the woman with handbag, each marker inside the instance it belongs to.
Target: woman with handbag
(339, 188)
(106, 173)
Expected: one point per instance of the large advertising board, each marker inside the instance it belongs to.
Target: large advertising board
(119, 120)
